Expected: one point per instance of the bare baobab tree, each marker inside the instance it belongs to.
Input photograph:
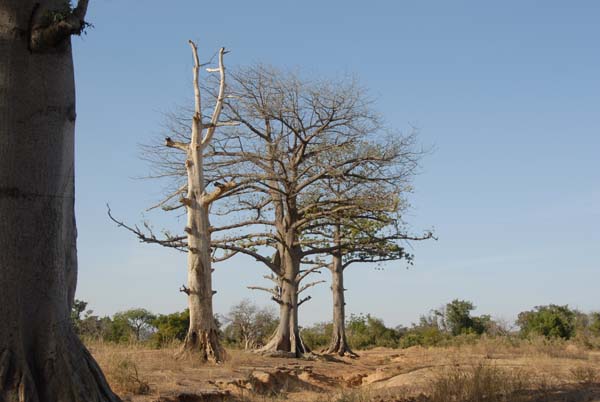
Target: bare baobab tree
(370, 232)
(364, 235)
(285, 139)
(202, 336)
(41, 358)
(294, 136)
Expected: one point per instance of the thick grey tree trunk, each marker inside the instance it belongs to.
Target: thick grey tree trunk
(286, 339)
(202, 336)
(41, 358)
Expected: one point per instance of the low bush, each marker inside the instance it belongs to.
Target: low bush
(550, 321)
(422, 336)
(170, 328)
(318, 336)
(365, 331)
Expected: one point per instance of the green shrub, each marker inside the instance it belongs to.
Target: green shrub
(136, 322)
(170, 327)
(117, 331)
(594, 323)
(422, 335)
(551, 321)
(365, 331)
(317, 336)
(452, 324)
(458, 320)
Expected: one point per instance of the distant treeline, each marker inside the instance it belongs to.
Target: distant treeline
(454, 324)
(247, 326)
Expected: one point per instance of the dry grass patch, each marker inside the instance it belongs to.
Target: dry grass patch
(506, 347)
(585, 375)
(348, 395)
(124, 377)
(482, 382)
(493, 370)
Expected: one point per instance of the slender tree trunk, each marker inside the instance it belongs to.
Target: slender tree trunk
(41, 358)
(202, 336)
(339, 343)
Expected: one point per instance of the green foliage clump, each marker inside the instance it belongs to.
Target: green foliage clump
(90, 326)
(451, 324)
(125, 326)
(317, 336)
(421, 335)
(428, 332)
(77, 308)
(550, 321)
(135, 323)
(594, 323)
(458, 319)
(117, 331)
(364, 331)
(170, 327)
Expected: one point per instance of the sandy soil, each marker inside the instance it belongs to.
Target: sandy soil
(148, 375)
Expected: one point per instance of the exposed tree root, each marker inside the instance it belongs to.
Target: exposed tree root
(280, 346)
(339, 346)
(63, 371)
(204, 344)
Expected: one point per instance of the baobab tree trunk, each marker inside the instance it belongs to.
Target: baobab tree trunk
(202, 336)
(287, 340)
(339, 343)
(41, 358)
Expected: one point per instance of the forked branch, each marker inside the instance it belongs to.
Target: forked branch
(220, 98)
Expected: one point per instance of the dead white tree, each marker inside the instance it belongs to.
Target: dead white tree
(41, 358)
(202, 334)
(202, 337)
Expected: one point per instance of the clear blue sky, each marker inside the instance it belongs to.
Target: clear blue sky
(507, 92)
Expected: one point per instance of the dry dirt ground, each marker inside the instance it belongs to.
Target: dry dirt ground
(547, 373)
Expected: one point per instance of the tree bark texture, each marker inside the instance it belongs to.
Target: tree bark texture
(202, 336)
(287, 339)
(41, 359)
(339, 343)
